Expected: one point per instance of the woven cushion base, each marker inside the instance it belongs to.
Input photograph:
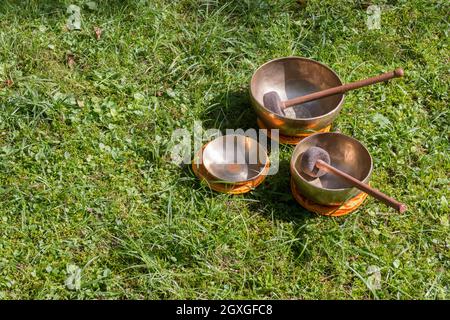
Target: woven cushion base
(333, 211)
(230, 188)
(290, 139)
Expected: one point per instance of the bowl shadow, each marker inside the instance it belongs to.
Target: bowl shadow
(231, 110)
(274, 201)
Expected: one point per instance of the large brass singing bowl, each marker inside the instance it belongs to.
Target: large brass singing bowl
(235, 159)
(346, 153)
(292, 77)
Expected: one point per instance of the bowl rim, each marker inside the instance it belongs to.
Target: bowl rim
(293, 160)
(341, 101)
(266, 160)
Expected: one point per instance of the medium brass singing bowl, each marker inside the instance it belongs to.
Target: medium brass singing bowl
(235, 159)
(292, 77)
(346, 154)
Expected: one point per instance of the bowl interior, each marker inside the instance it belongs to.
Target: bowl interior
(346, 154)
(293, 77)
(234, 158)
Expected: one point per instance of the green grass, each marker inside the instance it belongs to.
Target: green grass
(86, 188)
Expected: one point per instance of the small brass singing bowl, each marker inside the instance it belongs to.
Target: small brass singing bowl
(235, 159)
(346, 154)
(293, 77)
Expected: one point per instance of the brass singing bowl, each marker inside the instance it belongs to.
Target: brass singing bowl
(292, 77)
(346, 154)
(235, 159)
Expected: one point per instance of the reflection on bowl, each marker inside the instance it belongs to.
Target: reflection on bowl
(292, 77)
(234, 158)
(346, 153)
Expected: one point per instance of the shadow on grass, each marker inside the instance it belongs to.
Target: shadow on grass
(276, 202)
(233, 110)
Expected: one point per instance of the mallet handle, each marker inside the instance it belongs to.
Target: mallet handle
(362, 186)
(344, 88)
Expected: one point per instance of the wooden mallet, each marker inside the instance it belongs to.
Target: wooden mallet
(315, 162)
(272, 100)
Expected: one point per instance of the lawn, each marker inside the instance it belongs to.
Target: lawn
(92, 207)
